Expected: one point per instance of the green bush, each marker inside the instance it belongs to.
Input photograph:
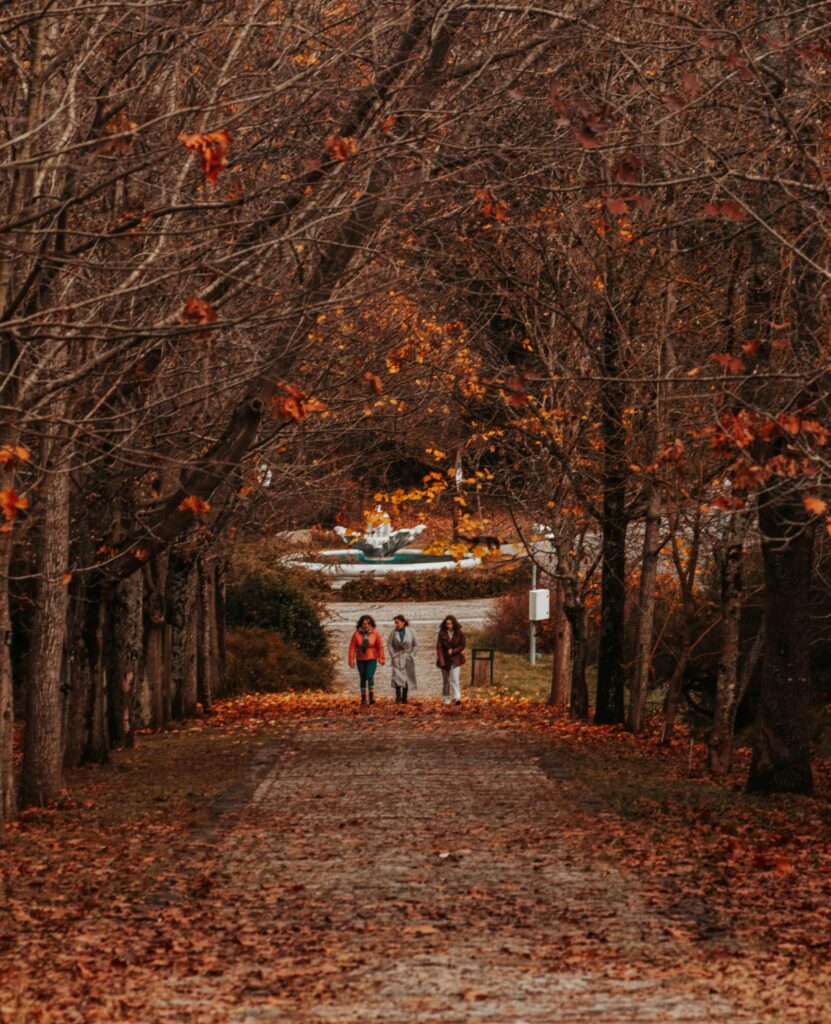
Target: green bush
(259, 660)
(444, 584)
(272, 599)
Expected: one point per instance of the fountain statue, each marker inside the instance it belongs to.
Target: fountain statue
(379, 540)
(379, 550)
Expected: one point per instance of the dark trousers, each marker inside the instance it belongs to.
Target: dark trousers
(366, 673)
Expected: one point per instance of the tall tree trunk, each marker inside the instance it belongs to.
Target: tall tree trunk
(153, 660)
(646, 611)
(181, 607)
(97, 747)
(8, 802)
(720, 741)
(561, 664)
(686, 582)
(219, 631)
(206, 665)
(781, 750)
(42, 776)
(576, 613)
(610, 660)
(124, 659)
(78, 677)
(673, 695)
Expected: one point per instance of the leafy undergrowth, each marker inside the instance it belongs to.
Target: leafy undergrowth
(117, 882)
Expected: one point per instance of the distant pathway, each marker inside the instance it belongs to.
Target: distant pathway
(424, 616)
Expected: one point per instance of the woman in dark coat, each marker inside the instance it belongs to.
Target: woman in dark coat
(449, 657)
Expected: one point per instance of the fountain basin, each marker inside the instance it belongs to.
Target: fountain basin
(358, 563)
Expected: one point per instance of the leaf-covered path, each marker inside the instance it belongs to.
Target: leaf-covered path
(396, 864)
(406, 874)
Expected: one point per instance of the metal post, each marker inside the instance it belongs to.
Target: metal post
(532, 646)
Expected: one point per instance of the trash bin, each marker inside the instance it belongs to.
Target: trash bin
(481, 666)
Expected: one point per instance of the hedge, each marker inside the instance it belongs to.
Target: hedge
(438, 585)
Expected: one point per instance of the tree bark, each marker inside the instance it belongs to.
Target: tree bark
(181, 605)
(609, 705)
(206, 683)
(8, 802)
(576, 613)
(97, 747)
(219, 631)
(646, 611)
(124, 659)
(42, 776)
(561, 665)
(781, 750)
(720, 741)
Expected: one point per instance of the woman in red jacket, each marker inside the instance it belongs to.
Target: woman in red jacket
(367, 649)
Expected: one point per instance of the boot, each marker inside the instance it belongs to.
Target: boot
(398, 695)
(404, 694)
(363, 696)
(371, 696)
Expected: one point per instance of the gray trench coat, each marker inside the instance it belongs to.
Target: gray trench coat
(401, 658)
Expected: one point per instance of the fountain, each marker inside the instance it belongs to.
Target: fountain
(378, 550)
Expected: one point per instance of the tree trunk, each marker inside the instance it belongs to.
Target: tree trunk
(610, 668)
(576, 613)
(124, 659)
(219, 631)
(8, 803)
(97, 748)
(561, 666)
(206, 684)
(720, 742)
(674, 686)
(181, 606)
(646, 611)
(781, 750)
(79, 680)
(42, 776)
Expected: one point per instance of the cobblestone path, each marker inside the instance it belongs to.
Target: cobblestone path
(414, 867)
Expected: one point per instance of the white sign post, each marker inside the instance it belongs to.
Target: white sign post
(539, 603)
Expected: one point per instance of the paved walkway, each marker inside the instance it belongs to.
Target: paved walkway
(399, 865)
(423, 616)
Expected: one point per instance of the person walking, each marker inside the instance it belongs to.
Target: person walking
(401, 645)
(449, 657)
(366, 649)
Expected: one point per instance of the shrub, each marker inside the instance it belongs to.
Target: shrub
(438, 585)
(262, 660)
(506, 627)
(272, 599)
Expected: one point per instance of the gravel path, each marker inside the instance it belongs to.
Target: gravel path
(423, 616)
(411, 866)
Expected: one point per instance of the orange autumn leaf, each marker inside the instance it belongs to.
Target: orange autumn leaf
(816, 506)
(194, 504)
(374, 382)
(142, 554)
(342, 147)
(11, 455)
(730, 363)
(291, 403)
(198, 311)
(213, 148)
(11, 503)
(66, 579)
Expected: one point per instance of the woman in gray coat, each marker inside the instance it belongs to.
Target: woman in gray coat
(401, 646)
